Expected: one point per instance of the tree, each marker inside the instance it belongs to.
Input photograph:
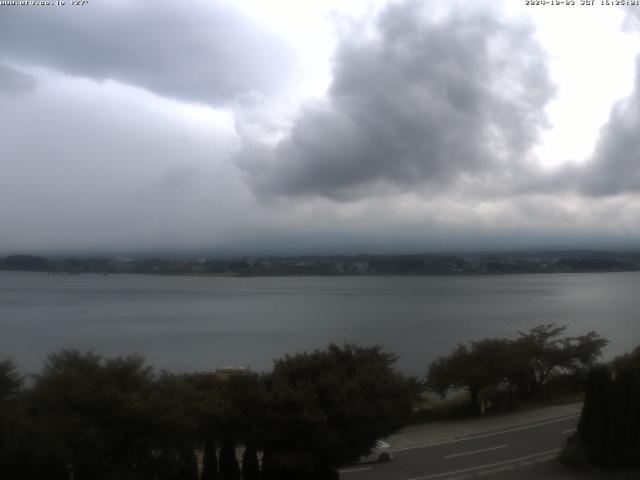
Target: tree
(484, 365)
(231, 409)
(209, 459)
(491, 365)
(173, 433)
(608, 431)
(10, 381)
(113, 418)
(327, 408)
(250, 464)
(543, 353)
(10, 419)
(229, 468)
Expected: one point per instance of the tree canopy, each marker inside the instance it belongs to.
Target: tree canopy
(525, 364)
(111, 418)
(608, 431)
(97, 418)
(329, 407)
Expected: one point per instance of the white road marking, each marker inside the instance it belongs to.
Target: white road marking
(479, 467)
(351, 470)
(475, 451)
(485, 435)
(544, 459)
(571, 430)
(497, 470)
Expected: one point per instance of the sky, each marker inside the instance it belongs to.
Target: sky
(319, 126)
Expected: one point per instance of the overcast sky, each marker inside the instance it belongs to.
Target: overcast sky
(328, 125)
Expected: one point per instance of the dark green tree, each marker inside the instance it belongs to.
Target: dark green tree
(486, 364)
(111, 418)
(187, 465)
(11, 420)
(543, 352)
(231, 408)
(593, 427)
(209, 459)
(328, 407)
(229, 468)
(10, 381)
(609, 428)
(250, 464)
(174, 430)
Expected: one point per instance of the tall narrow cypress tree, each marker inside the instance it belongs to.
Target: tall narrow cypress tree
(594, 422)
(267, 470)
(188, 465)
(209, 459)
(622, 434)
(229, 468)
(250, 464)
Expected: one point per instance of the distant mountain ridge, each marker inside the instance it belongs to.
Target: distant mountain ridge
(415, 264)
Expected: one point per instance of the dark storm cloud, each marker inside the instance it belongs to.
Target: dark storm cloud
(12, 81)
(425, 100)
(202, 51)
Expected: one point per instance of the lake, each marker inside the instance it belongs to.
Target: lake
(200, 323)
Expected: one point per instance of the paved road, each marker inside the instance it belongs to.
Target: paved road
(477, 456)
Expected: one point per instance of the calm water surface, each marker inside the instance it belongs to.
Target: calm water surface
(193, 323)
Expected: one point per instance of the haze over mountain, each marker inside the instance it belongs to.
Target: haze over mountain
(387, 125)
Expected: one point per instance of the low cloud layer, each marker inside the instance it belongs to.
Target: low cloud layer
(198, 51)
(421, 102)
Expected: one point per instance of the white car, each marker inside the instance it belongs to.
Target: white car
(381, 452)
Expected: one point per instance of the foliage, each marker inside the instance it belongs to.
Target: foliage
(10, 417)
(111, 418)
(229, 468)
(328, 407)
(209, 459)
(250, 464)
(526, 364)
(10, 381)
(484, 365)
(608, 431)
(542, 352)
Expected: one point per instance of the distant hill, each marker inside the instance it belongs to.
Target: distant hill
(24, 263)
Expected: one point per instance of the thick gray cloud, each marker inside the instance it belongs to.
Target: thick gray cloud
(196, 50)
(423, 101)
(12, 81)
(615, 167)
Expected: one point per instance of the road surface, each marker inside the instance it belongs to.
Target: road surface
(478, 456)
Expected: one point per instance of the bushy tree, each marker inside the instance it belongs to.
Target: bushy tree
(111, 418)
(526, 363)
(10, 381)
(11, 431)
(231, 411)
(327, 408)
(609, 428)
(486, 364)
(543, 352)
(173, 431)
